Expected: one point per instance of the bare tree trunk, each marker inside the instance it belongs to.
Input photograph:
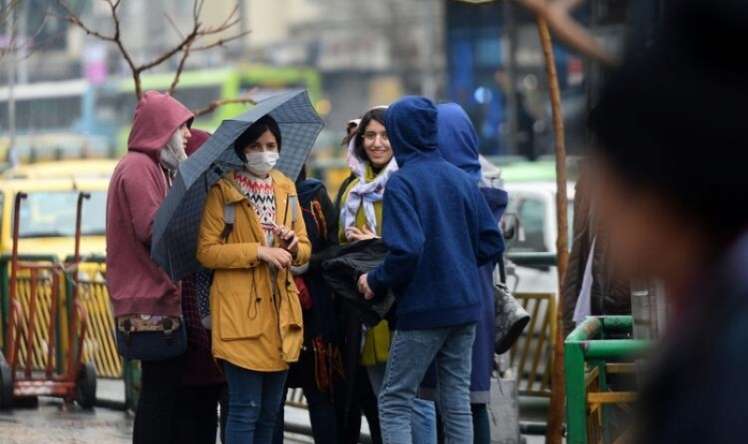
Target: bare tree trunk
(554, 434)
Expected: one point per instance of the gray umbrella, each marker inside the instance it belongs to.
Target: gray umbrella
(177, 222)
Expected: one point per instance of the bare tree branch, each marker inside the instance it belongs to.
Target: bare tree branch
(198, 33)
(232, 20)
(185, 46)
(73, 19)
(170, 53)
(180, 68)
(222, 42)
(7, 10)
(214, 105)
(557, 13)
(22, 48)
(174, 26)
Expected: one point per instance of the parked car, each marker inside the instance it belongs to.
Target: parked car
(534, 206)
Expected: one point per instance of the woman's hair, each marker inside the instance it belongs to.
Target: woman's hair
(254, 132)
(376, 114)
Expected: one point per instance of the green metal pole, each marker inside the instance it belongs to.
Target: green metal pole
(576, 398)
(588, 329)
(615, 348)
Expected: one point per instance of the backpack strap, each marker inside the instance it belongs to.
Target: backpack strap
(229, 217)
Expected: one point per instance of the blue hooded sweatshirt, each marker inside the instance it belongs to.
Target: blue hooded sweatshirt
(458, 144)
(437, 225)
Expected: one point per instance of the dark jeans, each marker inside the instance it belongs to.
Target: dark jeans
(321, 415)
(254, 401)
(481, 425)
(155, 416)
(364, 400)
(197, 414)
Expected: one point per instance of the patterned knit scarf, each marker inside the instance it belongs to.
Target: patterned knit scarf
(364, 193)
(259, 192)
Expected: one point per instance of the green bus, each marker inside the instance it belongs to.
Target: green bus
(115, 101)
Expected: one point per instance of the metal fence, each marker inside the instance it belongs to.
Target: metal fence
(532, 354)
(590, 359)
(100, 346)
(36, 275)
(530, 357)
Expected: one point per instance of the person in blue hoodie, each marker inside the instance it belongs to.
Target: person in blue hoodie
(458, 144)
(440, 231)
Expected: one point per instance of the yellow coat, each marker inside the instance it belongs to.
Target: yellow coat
(254, 327)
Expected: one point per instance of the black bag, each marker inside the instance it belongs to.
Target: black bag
(342, 273)
(151, 341)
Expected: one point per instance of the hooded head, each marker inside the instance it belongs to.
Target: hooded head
(196, 141)
(458, 141)
(157, 117)
(411, 128)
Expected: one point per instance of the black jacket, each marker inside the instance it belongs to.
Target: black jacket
(342, 273)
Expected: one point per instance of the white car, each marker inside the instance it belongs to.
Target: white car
(534, 205)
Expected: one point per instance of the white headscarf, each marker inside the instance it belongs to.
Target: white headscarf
(173, 153)
(364, 193)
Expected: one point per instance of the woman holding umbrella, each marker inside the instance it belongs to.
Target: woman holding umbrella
(251, 234)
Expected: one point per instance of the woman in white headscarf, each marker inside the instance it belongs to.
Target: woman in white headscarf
(372, 162)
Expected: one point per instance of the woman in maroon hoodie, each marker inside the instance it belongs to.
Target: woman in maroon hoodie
(140, 291)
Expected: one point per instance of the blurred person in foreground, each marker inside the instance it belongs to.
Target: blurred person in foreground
(671, 190)
(439, 231)
(141, 292)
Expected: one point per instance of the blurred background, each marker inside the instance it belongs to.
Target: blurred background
(68, 94)
(73, 92)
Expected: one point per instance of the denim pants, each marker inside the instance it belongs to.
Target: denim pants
(254, 400)
(423, 419)
(411, 353)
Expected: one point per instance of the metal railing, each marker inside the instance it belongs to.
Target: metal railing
(40, 282)
(590, 357)
(101, 346)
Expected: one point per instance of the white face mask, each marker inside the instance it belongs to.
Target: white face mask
(173, 153)
(260, 163)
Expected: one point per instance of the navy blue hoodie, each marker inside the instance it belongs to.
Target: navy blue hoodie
(458, 144)
(436, 224)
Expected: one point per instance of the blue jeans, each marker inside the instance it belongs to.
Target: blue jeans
(411, 353)
(254, 400)
(423, 416)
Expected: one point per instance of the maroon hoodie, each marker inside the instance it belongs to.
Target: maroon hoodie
(138, 186)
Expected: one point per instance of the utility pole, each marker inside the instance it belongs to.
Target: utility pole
(510, 36)
(12, 60)
(428, 72)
